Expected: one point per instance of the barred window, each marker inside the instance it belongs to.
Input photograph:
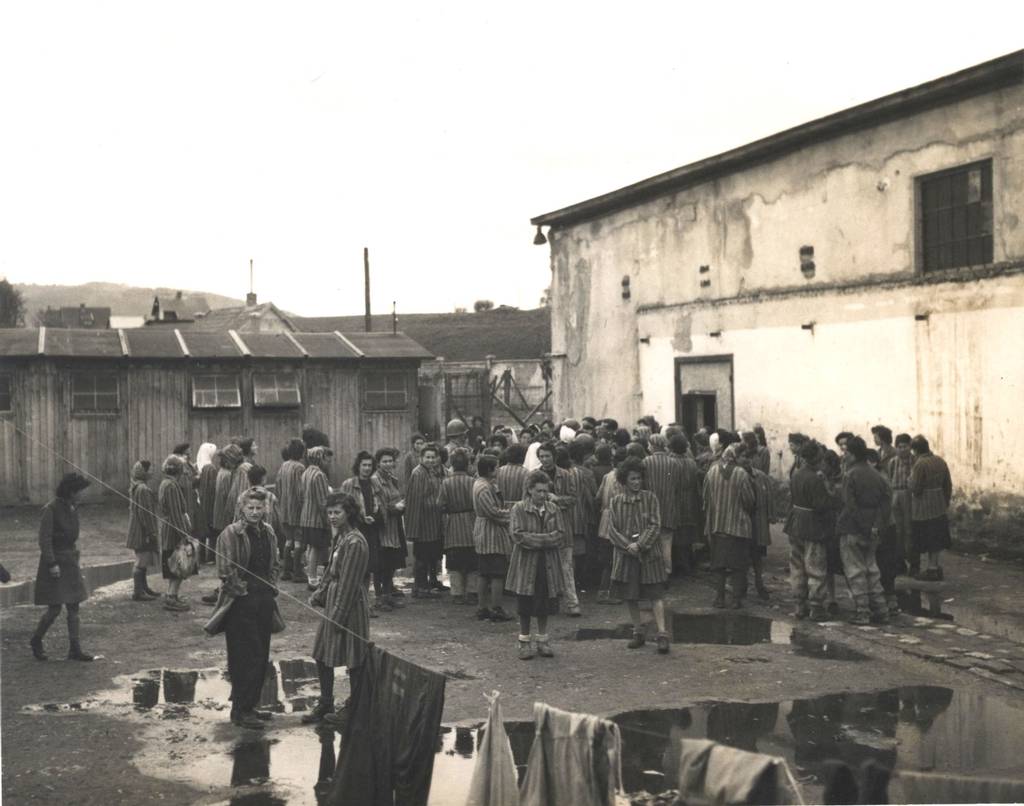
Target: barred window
(94, 392)
(956, 217)
(6, 389)
(216, 392)
(386, 392)
(275, 390)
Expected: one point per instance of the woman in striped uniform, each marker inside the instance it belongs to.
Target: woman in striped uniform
(392, 535)
(316, 532)
(638, 567)
(537, 529)
(289, 493)
(368, 494)
(455, 500)
(208, 462)
(142, 530)
(761, 518)
(341, 638)
(423, 519)
(728, 503)
(174, 528)
(610, 487)
(511, 476)
(491, 539)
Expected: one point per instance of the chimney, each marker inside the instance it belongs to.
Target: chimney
(250, 299)
(155, 312)
(178, 295)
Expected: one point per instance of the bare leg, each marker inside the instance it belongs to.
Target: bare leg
(635, 615)
(542, 625)
(658, 608)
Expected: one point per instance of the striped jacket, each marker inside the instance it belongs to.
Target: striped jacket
(142, 523)
(455, 500)
(764, 507)
(391, 533)
(223, 506)
(351, 486)
(636, 519)
(173, 511)
(234, 548)
(511, 481)
(207, 496)
(188, 481)
(345, 602)
(763, 459)
(662, 477)
(931, 488)
(563, 493)
(289, 491)
(534, 531)
(239, 484)
(610, 488)
(422, 517)
(491, 528)
(314, 499)
(691, 485)
(585, 512)
(728, 501)
(409, 462)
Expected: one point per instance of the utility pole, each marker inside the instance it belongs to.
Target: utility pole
(394, 318)
(366, 283)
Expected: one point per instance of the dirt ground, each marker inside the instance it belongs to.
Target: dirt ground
(105, 755)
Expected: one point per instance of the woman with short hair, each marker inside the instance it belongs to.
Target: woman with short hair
(392, 552)
(59, 581)
(142, 530)
(174, 528)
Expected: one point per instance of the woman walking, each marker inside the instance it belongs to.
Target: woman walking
(342, 636)
(248, 565)
(174, 529)
(59, 581)
(638, 565)
(392, 552)
(142, 530)
(535, 568)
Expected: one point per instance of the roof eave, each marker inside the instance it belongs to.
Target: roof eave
(1001, 72)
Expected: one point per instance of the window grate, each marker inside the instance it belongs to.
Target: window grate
(275, 390)
(386, 392)
(216, 392)
(94, 392)
(956, 217)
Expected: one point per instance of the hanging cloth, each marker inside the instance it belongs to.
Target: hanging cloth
(494, 776)
(715, 773)
(928, 787)
(575, 758)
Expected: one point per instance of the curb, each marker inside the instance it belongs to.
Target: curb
(96, 576)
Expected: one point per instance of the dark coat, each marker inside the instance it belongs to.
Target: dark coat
(58, 544)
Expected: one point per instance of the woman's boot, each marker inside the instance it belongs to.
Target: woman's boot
(286, 563)
(145, 585)
(45, 623)
(75, 649)
(139, 594)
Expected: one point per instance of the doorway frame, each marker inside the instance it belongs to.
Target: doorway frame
(704, 359)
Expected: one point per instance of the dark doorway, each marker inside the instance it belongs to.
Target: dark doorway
(699, 411)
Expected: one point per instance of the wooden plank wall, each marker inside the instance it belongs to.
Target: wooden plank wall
(156, 413)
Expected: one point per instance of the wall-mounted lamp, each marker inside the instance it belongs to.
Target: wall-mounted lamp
(539, 239)
(715, 334)
(921, 317)
(625, 287)
(807, 261)
(807, 326)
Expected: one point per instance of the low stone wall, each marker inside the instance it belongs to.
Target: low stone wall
(96, 576)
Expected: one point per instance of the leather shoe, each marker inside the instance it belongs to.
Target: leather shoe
(317, 714)
(247, 719)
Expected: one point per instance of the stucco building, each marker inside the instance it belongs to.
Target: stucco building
(864, 268)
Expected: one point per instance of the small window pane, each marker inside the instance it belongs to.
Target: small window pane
(275, 390)
(216, 392)
(956, 217)
(91, 392)
(386, 392)
(6, 385)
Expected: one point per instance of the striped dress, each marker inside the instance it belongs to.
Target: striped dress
(764, 508)
(610, 488)
(188, 483)
(391, 495)
(728, 501)
(931, 488)
(636, 518)
(173, 513)
(534, 531)
(563, 490)
(586, 494)
(661, 477)
(239, 484)
(289, 492)
(491, 528)
(422, 517)
(142, 524)
(223, 505)
(511, 480)
(345, 602)
(207, 499)
(455, 500)
(314, 499)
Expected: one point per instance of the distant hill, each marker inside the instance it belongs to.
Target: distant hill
(123, 300)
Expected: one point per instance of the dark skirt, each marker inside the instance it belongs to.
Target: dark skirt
(833, 558)
(605, 552)
(541, 603)
(492, 566)
(685, 536)
(390, 560)
(316, 537)
(729, 552)
(371, 531)
(427, 551)
(931, 535)
(69, 589)
(461, 559)
(757, 552)
(632, 589)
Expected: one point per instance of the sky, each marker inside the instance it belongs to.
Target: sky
(167, 144)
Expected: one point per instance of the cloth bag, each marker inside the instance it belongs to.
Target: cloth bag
(494, 776)
(183, 561)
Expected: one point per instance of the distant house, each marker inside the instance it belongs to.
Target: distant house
(82, 317)
(178, 308)
(117, 322)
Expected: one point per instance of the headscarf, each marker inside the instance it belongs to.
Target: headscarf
(173, 465)
(318, 456)
(713, 442)
(658, 442)
(566, 434)
(204, 455)
(231, 456)
(140, 472)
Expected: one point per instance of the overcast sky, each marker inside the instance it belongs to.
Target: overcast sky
(167, 143)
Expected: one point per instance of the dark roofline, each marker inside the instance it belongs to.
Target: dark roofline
(997, 73)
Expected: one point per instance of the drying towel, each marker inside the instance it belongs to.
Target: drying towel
(575, 759)
(494, 776)
(715, 773)
(387, 749)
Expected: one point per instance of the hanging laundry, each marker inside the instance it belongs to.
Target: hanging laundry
(387, 749)
(716, 773)
(929, 787)
(494, 776)
(575, 758)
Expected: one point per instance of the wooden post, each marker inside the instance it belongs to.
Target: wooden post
(366, 285)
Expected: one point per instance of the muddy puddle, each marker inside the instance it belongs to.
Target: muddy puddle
(917, 727)
(737, 629)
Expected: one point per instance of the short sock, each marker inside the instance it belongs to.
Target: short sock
(524, 639)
